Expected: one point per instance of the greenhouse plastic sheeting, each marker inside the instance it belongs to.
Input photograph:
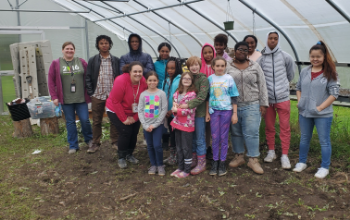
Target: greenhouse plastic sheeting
(304, 21)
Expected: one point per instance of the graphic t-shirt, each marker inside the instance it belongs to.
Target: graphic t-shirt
(222, 88)
(152, 108)
(66, 78)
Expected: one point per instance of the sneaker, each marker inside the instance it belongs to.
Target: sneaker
(122, 163)
(285, 162)
(132, 159)
(214, 168)
(222, 168)
(93, 148)
(299, 167)
(115, 146)
(175, 172)
(322, 173)
(255, 165)
(237, 161)
(72, 151)
(181, 175)
(161, 171)
(152, 170)
(271, 155)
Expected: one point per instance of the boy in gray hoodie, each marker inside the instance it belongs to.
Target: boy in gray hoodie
(278, 68)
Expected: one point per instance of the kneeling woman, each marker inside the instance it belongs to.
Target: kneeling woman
(317, 89)
(122, 110)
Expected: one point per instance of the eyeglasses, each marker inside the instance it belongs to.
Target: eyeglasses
(186, 79)
(242, 50)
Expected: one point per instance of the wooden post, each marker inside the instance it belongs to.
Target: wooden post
(23, 128)
(49, 126)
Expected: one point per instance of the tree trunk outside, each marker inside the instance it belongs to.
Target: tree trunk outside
(49, 126)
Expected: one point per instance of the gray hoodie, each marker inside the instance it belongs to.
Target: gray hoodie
(314, 93)
(278, 67)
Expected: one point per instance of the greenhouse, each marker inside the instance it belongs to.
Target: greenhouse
(39, 180)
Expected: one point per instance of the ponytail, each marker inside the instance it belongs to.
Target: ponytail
(329, 70)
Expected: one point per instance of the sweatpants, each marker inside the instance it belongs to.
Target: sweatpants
(184, 149)
(127, 138)
(283, 110)
(220, 122)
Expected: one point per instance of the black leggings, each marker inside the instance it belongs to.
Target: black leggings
(127, 135)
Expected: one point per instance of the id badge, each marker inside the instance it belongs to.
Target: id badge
(134, 108)
(72, 87)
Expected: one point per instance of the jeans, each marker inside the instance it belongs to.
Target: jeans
(246, 130)
(283, 110)
(323, 126)
(154, 145)
(127, 135)
(220, 122)
(83, 113)
(198, 144)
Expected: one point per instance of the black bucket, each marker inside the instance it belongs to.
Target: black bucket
(19, 111)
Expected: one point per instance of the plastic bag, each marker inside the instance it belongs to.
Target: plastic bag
(43, 107)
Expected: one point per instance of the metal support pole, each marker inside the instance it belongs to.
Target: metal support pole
(275, 26)
(187, 32)
(18, 20)
(213, 22)
(1, 97)
(148, 10)
(149, 28)
(87, 40)
(50, 11)
(339, 10)
(118, 26)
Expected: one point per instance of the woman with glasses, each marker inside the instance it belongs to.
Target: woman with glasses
(251, 104)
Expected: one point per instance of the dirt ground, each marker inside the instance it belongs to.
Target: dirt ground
(91, 186)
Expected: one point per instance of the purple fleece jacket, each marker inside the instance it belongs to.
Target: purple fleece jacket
(55, 83)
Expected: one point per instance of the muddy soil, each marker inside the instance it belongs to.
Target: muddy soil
(91, 186)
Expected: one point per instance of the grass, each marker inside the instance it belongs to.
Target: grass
(8, 90)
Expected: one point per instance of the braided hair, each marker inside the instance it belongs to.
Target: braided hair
(178, 69)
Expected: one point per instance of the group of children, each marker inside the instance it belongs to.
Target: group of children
(189, 100)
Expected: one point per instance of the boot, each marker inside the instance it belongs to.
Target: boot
(222, 168)
(194, 160)
(255, 165)
(209, 153)
(172, 159)
(201, 165)
(239, 160)
(214, 168)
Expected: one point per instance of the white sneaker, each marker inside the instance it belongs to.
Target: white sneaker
(300, 167)
(285, 162)
(322, 173)
(271, 155)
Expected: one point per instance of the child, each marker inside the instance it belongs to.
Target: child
(207, 55)
(152, 109)
(202, 85)
(174, 71)
(317, 89)
(220, 44)
(183, 123)
(222, 99)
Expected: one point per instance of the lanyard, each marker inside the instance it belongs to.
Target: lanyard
(136, 92)
(71, 68)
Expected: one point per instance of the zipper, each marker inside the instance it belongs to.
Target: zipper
(273, 75)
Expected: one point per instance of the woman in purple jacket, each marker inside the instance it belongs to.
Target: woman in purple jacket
(67, 86)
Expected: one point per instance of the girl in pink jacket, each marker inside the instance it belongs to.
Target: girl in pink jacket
(183, 123)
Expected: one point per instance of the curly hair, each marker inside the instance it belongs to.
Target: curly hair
(101, 37)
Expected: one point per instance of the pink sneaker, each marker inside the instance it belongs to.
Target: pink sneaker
(175, 172)
(182, 175)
